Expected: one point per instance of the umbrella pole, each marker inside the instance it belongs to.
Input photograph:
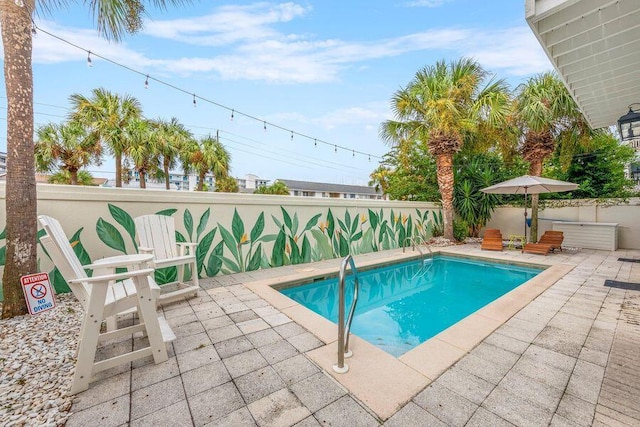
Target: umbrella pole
(525, 216)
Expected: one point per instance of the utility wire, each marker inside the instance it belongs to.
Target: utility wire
(196, 97)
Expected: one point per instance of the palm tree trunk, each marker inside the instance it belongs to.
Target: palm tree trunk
(165, 165)
(201, 181)
(143, 178)
(444, 164)
(535, 169)
(21, 197)
(118, 158)
(74, 176)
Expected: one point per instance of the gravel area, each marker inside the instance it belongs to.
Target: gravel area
(37, 359)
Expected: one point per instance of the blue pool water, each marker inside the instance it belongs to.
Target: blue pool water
(403, 305)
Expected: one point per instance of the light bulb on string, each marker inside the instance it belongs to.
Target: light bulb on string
(232, 111)
(292, 135)
(194, 100)
(335, 148)
(264, 126)
(33, 29)
(354, 153)
(89, 61)
(315, 142)
(369, 158)
(146, 82)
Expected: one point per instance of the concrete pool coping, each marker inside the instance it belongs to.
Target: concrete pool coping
(372, 370)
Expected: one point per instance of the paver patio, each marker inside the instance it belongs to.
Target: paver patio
(569, 358)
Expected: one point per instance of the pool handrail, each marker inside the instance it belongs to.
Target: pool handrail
(415, 245)
(344, 328)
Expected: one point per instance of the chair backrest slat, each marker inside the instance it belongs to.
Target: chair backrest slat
(63, 256)
(157, 232)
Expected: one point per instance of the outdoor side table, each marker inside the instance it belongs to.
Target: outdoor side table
(516, 241)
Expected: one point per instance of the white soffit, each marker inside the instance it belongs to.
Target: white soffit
(595, 46)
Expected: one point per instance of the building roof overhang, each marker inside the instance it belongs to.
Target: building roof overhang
(595, 47)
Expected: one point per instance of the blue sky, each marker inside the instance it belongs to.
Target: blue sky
(326, 69)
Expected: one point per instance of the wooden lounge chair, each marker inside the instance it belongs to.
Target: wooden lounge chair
(537, 248)
(553, 238)
(104, 295)
(492, 240)
(157, 236)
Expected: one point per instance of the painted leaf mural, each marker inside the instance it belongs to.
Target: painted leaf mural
(110, 235)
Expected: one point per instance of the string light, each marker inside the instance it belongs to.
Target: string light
(264, 122)
(33, 29)
(354, 153)
(369, 158)
(232, 111)
(335, 148)
(292, 135)
(146, 82)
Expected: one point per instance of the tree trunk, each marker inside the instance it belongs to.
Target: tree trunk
(21, 197)
(165, 166)
(201, 181)
(444, 164)
(143, 178)
(535, 169)
(118, 159)
(74, 176)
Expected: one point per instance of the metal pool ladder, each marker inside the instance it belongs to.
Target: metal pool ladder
(343, 328)
(416, 245)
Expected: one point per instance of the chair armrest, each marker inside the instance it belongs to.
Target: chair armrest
(106, 278)
(120, 261)
(145, 250)
(186, 248)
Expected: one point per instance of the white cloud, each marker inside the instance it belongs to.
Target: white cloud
(245, 42)
(228, 24)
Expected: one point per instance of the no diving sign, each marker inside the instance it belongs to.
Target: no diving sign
(37, 292)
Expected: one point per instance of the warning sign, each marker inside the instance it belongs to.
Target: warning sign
(37, 292)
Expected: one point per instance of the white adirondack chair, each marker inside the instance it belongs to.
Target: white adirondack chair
(104, 295)
(157, 235)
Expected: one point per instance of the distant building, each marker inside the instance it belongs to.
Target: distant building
(3, 162)
(177, 181)
(250, 182)
(337, 191)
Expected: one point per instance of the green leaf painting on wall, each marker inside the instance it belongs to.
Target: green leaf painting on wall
(125, 220)
(239, 247)
(110, 235)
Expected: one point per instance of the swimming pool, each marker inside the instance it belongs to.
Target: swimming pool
(402, 305)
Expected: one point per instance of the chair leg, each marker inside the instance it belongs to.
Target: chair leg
(88, 343)
(148, 316)
(194, 275)
(180, 273)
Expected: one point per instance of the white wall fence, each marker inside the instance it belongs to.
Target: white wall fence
(234, 232)
(626, 213)
(240, 232)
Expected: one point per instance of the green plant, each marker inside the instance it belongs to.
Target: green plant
(460, 229)
(437, 225)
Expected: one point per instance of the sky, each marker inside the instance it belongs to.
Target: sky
(324, 70)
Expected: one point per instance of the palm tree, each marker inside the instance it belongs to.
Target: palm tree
(115, 18)
(171, 136)
(142, 148)
(67, 147)
(108, 115)
(547, 115)
(63, 177)
(379, 179)
(442, 105)
(209, 155)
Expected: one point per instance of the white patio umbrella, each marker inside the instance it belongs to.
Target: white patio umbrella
(527, 184)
